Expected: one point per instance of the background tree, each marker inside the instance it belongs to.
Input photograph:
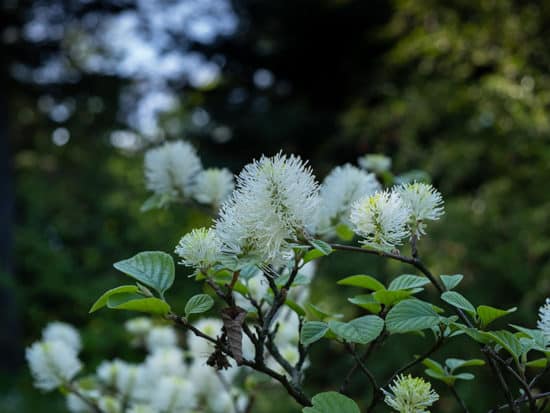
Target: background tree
(458, 87)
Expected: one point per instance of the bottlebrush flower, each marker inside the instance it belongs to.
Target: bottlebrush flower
(381, 219)
(410, 395)
(200, 248)
(174, 394)
(161, 337)
(544, 320)
(274, 202)
(138, 326)
(110, 404)
(213, 186)
(340, 189)
(58, 331)
(424, 202)
(164, 362)
(52, 363)
(141, 408)
(171, 168)
(375, 162)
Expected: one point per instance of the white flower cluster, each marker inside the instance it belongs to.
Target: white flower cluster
(174, 169)
(340, 189)
(386, 218)
(58, 331)
(274, 203)
(171, 168)
(375, 162)
(544, 320)
(165, 382)
(410, 395)
(54, 360)
(201, 248)
(381, 219)
(213, 186)
(138, 326)
(424, 203)
(278, 203)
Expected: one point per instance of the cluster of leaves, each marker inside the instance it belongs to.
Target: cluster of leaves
(153, 269)
(393, 309)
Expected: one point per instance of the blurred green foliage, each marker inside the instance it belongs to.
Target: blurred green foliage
(460, 89)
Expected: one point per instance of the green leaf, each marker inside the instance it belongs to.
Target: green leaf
(536, 336)
(367, 302)
(451, 281)
(362, 281)
(407, 282)
(449, 379)
(411, 315)
(389, 298)
(294, 306)
(444, 377)
(344, 232)
(321, 314)
(489, 314)
(477, 335)
(508, 341)
(464, 376)
(312, 331)
(135, 302)
(361, 330)
(434, 366)
(225, 277)
(198, 304)
(538, 363)
(240, 288)
(155, 269)
(459, 301)
(322, 246)
(331, 402)
(156, 201)
(247, 272)
(312, 255)
(415, 175)
(102, 301)
(300, 279)
(454, 364)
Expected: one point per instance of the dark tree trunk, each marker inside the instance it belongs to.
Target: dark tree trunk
(10, 330)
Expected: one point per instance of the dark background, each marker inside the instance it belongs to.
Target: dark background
(460, 89)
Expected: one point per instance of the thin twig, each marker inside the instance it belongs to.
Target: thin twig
(539, 375)
(522, 382)
(89, 402)
(259, 365)
(507, 393)
(227, 387)
(417, 360)
(459, 400)
(417, 263)
(380, 339)
(433, 349)
(363, 367)
(182, 321)
(302, 349)
(521, 400)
